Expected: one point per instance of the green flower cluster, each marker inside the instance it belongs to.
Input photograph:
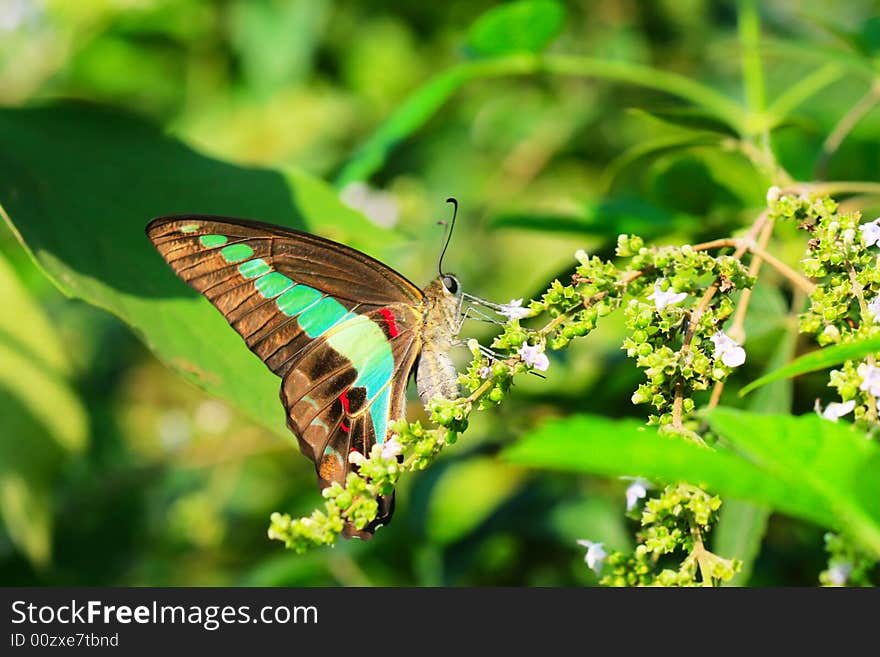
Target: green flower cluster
(672, 317)
(845, 306)
(674, 526)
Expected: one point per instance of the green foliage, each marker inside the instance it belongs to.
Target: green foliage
(92, 245)
(804, 466)
(817, 360)
(42, 421)
(523, 26)
(559, 129)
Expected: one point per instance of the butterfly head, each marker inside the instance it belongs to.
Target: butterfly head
(450, 284)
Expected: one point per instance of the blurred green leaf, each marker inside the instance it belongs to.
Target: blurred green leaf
(804, 466)
(466, 494)
(33, 364)
(426, 100)
(78, 186)
(42, 421)
(276, 40)
(767, 314)
(811, 51)
(652, 150)
(817, 360)
(524, 26)
(865, 40)
(808, 86)
(609, 218)
(690, 119)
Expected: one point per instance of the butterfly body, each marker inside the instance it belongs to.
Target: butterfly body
(342, 330)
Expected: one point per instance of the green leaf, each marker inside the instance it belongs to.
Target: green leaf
(427, 100)
(275, 41)
(828, 460)
(450, 515)
(801, 91)
(807, 51)
(42, 421)
(803, 466)
(525, 26)
(817, 360)
(608, 218)
(653, 149)
(78, 184)
(687, 119)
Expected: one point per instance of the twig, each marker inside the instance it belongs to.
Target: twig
(748, 244)
(737, 330)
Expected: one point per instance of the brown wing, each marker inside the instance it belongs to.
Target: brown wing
(334, 410)
(223, 258)
(341, 329)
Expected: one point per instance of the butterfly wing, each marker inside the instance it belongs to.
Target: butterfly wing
(341, 329)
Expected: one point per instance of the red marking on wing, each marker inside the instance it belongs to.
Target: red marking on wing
(388, 316)
(345, 408)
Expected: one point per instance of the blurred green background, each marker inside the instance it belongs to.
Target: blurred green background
(114, 470)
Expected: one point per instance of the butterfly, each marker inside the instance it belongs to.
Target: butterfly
(342, 330)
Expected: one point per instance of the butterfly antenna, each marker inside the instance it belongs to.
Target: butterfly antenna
(449, 228)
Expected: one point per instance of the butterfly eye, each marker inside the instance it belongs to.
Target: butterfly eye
(450, 283)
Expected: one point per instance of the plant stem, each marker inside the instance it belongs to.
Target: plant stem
(836, 187)
(749, 29)
(749, 244)
(736, 330)
(699, 553)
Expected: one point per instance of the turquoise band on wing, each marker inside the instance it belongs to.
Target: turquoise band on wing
(272, 284)
(356, 337)
(211, 241)
(254, 268)
(236, 252)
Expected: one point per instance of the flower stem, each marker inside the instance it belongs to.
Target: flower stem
(749, 244)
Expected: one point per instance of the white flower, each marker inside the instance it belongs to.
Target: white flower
(595, 555)
(870, 379)
(835, 410)
(534, 356)
(355, 457)
(773, 194)
(848, 236)
(871, 232)
(484, 372)
(839, 571)
(668, 298)
(514, 309)
(730, 353)
(636, 491)
(582, 257)
(874, 309)
(832, 332)
(391, 449)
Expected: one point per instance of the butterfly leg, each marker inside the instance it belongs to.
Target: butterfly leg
(474, 313)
